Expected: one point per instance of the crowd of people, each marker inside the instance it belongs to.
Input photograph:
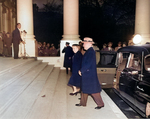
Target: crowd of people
(108, 47)
(6, 40)
(5, 44)
(48, 49)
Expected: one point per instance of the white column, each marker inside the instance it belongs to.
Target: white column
(25, 17)
(5, 22)
(11, 21)
(1, 17)
(142, 20)
(70, 24)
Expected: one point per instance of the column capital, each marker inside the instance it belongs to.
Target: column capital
(9, 4)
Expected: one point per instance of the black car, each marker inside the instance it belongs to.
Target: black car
(133, 82)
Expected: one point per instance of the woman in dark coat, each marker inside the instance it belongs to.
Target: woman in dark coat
(75, 80)
(90, 84)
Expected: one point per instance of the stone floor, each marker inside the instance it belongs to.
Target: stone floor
(30, 89)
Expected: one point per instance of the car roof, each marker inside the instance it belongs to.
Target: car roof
(136, 49)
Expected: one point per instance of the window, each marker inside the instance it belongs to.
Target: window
(122, 60)
(147, 62)
(134, 62)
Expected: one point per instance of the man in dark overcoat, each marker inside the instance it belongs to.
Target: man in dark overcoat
(90, 83)
(16, 39)
(68, 57)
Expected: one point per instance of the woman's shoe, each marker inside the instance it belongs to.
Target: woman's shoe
(75, 93)
(99, 107)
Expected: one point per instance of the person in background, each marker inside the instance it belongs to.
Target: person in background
(16, 39)
(4, 34)
(44, 43)
(43, 48)
(7, 45)
(118, 47)
(46, 51)
(109, 48)
(90, 83)
(81, 48)
(53, 51)
(51, 46)
(40, 50)
(1, 44)
(68, 57)
(48, 45)
(75, 80)
(104, 47)
(58, 50)
(96, 48)
(124, 44)
(39, 44)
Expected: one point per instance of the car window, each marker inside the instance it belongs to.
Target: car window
(122, 60)
(147, 63)
(134, 62)
(107, 59)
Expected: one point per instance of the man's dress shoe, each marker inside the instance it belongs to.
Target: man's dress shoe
(78, 105)
(99, 107)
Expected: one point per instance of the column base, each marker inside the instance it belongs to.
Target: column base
(145, 38)
(72, 39)
(30, 47)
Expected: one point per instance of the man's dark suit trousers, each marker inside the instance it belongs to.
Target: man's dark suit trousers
(16, 50)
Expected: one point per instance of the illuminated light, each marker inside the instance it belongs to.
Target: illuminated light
(137, 39)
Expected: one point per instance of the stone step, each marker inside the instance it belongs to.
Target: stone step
(42, 107)
(60, 98)
(13, 74)
(27, 98)
(15, 89)
(7, 64)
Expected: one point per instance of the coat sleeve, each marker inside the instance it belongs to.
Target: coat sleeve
(12, 36)
(4, 41)
(19, 36)
(88, 61)
(63, 51)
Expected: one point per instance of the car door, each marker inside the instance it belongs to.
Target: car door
(142, 90)
(129, 79)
